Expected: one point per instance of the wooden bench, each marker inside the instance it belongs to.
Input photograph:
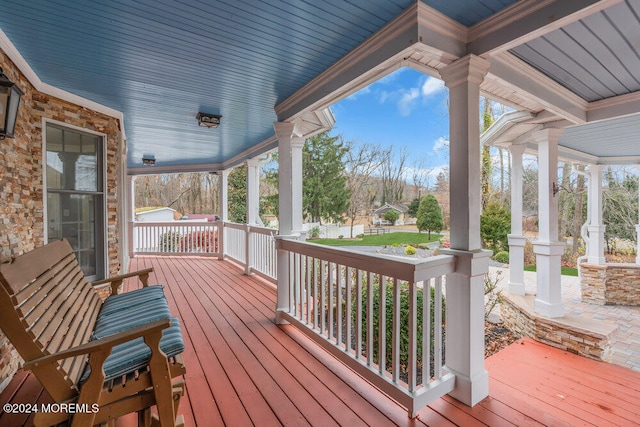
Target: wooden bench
(121, 354)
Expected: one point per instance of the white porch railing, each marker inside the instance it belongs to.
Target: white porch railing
(339, 298)
(175, 237)
(251, 246)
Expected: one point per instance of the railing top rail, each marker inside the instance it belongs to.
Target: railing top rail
(412, 270)
(192, 223)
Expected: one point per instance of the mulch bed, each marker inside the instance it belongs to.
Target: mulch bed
(497, 337)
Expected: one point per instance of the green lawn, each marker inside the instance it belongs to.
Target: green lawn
(565, 271)
(382, 240)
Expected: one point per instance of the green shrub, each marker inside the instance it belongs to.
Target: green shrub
(404, 320)
(314, 233)
(341, 237)
(410, 250)
(170, 241)
(502, 257)
(360, 236)
(395, 245)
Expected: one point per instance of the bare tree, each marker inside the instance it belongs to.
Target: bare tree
(420, 176)
(393, 169)
(361, 162)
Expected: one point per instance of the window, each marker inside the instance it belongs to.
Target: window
(75, 194)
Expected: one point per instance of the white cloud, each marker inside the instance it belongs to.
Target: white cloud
(432, 86)
(407, 100)
(440, 144)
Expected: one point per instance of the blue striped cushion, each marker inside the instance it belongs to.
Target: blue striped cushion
(127, 357)
(130, 317)
(132, 298)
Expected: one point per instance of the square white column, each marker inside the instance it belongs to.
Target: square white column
(223, 203)
(596, 228)
(547, 248)
(253, 191)
(516, 239)
(465, 287)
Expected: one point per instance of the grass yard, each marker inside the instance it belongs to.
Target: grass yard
(397, 238)
(565, 271)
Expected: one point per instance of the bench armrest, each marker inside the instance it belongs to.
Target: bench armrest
(102, 344)
(116, 281)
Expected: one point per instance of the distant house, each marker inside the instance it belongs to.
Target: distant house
(402, 210)
(200, 217)
(155, 215)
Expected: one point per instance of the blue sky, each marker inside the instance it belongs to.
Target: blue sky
(404, 109)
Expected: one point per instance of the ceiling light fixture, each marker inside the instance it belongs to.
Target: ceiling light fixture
(148, 160)
(208, 120)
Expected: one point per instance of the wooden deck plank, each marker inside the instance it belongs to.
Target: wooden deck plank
(242, 369)
(308, 371)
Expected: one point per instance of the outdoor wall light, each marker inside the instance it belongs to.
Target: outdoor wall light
(148, 160)
(9, 102)
(208, 120)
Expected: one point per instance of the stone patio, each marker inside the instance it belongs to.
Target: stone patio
(620, 324)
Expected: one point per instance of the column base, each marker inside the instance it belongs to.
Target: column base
(517, 288)
(470, 390)
(548, 310)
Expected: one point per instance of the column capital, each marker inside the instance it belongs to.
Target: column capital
(595, 168)
(297, 142)
(469, 68)
(223, 172)
(517, 149)
(547, 135)
(255, 162)
(284, 129)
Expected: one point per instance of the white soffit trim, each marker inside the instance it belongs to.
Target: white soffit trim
(511, 72)
(617, 106)
(15, 56)
(526, 20)
(377, 56)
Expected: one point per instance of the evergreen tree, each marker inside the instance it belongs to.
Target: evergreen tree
(495, 226)
(486, 171)
(237, 195)
(413, 207)
(324, 185)
(429, 215)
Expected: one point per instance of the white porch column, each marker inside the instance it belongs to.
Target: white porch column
(253, 191)
(253, 209)
(289, 210)
(595, 254)
(132, 235)
(465, 287)
(547, 248)
(638, 225)
(223, 182)
(516, 239)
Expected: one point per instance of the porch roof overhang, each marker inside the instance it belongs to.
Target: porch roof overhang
(155, 64)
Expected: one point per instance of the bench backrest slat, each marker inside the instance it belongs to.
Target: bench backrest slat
(47, 305)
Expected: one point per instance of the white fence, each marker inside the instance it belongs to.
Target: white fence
(340, 298)
(175, 237)
(251, 246)
(334, 231)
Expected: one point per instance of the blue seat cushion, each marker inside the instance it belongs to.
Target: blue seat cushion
(130, 356)
(130, 299)
(129, 316)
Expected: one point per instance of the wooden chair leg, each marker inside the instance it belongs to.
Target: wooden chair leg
(144, 418)
(161, 379)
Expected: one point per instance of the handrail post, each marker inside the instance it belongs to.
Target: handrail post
(221, 240)
(248, 252)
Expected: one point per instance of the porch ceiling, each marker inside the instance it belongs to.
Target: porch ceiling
(160, 62)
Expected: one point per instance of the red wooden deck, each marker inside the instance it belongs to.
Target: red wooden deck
(242, 369)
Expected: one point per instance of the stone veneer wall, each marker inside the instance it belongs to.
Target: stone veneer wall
(610, 284)
(21, 182)
(518, 315)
